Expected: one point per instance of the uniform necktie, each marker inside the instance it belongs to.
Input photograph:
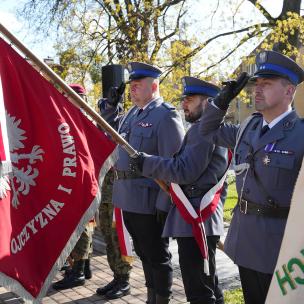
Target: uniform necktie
(139, 111)
(264, 130)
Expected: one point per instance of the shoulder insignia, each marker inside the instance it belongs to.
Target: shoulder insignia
(168, 105)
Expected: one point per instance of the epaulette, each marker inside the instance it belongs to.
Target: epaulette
(168, 105)
(256, 114)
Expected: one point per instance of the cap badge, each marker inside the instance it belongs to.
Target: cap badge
(262, 58)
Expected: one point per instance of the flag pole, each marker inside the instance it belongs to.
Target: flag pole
(76, 99)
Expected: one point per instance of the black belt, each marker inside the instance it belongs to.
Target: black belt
(192, 191)
(126, 175)
(247, 207)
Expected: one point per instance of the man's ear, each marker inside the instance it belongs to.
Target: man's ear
(291, 89)
(154, 86)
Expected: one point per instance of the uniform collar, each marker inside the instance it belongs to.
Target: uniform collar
(277, 119)
(146, 106)
(284, 124)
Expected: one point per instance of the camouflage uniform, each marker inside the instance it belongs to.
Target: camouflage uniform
(120, 268)
(84, 247)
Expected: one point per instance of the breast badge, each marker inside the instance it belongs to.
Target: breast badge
(266, 160)
(145, 124)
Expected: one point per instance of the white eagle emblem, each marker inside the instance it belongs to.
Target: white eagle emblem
(19, 180)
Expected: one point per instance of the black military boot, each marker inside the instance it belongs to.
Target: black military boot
(73, 278)
(162, 300)
(103, 290)
(121, 289)
(87, 269)
(151, 296)
(65, 266)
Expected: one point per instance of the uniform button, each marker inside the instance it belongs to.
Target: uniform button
(247, 190)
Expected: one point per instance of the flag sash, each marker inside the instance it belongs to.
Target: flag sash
(196, 219)
(123, 235)
(191, 217)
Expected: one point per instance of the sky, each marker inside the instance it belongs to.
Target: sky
(43, 47)
(8, 17)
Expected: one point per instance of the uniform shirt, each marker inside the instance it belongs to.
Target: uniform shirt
(254, 241)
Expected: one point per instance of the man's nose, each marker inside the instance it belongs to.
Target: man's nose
(258, 88)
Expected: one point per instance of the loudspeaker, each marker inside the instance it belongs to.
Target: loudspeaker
(111, 76)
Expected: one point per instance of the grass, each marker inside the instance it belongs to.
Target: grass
(234, 296)
(231, 201)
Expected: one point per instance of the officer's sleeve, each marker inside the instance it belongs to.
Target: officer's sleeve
(214, 130)
(170, 134)
(184, 168)
(109, 113)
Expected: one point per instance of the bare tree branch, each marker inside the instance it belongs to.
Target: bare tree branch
(262, 10)
(201, 46)
(231, 52)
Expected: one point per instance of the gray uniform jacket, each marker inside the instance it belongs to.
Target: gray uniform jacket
(198, 164)
(157, 130)
(253, 241)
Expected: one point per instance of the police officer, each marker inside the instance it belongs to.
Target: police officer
(82, 252)
(268, 155)
(119, 286)
(197, 167)
(155, 127)
(112, 76)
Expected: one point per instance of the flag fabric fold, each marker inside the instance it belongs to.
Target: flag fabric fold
(59, 159)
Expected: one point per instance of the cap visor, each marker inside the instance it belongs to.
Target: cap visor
(267, 75)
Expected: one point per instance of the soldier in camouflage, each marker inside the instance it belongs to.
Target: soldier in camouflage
(121, 269)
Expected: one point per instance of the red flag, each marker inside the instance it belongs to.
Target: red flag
(59, 159)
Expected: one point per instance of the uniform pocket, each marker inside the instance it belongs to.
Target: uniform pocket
(284, 165)
(139, 137)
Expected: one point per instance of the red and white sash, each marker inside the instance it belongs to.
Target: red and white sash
(5, 161)
(196, 218)
(123, 235)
